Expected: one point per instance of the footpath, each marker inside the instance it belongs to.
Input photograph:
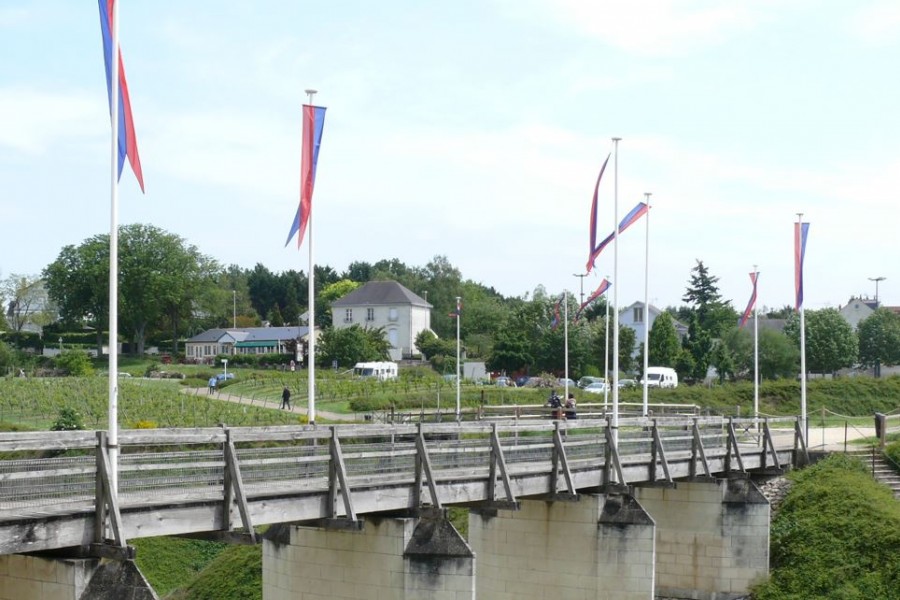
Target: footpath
(273, 404)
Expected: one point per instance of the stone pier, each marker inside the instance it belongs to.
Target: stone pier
(388, 559)
(30, 577)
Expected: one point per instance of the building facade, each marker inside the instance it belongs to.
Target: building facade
(389, 305)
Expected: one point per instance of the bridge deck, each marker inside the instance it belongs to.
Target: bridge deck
(176, 481)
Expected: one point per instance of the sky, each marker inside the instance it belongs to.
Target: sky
(474, 130)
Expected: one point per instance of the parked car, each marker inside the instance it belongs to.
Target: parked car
(598, 387)
(588, 380)
(661, 377)
(562, 381)
(626, 383)
(504, 382)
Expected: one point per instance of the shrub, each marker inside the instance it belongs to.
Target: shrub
(77, 364)
(146, 424)
(68, 419)
(892, 451)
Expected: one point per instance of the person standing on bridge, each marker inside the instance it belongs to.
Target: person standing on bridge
(570, 407)
(286, 398)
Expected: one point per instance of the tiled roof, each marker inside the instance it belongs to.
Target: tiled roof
(380, 293)
(251, 334)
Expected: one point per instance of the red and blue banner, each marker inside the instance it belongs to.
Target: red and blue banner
(630, 219)
(593, 251)
(125, 122)
(752, 303)
(313, 123)
(801, 230)
(601, 289)
(556, 318)
(457, 313)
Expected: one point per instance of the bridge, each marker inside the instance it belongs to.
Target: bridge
(56, 495)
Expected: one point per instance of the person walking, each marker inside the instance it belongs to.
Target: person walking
(212, 385)
(286, 398)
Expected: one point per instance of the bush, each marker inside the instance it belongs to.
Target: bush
(892, 451)
(68, 419)
(77, 364)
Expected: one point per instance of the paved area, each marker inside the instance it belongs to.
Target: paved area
(273, 404)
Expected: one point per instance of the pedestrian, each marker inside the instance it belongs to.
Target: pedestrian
(212, 384)
(286, 398)
(570, 407)
(555, 405)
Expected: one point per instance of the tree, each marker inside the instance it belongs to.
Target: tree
(26, 301)
(663, 341)
(831, 343)
(510, 353)
(713, 314)
(78, 282)
(879, 339)
(160, 274)
(350, 345)
(778, 357)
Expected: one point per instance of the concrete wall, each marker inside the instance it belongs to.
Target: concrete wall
(712, 539)
(35, 578)
(390, 559)
(594, 548)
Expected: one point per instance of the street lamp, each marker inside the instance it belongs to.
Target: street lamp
(234, 308)
(60, 344)
(581, 276)
(225, 365)
(876, 280)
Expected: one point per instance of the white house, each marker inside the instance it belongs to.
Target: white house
(387, 304)
(204, 347)
(635, 316)
(857, 309)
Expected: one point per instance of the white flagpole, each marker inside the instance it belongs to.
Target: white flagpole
(756, 349)
(113, 415)
(458, 319)
(311, 300)
(566, 343)
(646, 299)
(614, 425)
(802, 340)
(606, 355)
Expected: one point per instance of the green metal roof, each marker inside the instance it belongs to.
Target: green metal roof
(255, 344)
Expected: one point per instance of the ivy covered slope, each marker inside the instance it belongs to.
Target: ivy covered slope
(837, 535)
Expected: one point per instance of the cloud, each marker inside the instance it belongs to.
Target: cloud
(877, 24)
(646, 27)
(36, 119)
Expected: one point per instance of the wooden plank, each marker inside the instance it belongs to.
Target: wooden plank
(236, 485)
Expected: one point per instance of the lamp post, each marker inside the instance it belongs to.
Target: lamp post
(225, 366)
(234, 308)
(877, 280)
(581, 276)
(60, 345)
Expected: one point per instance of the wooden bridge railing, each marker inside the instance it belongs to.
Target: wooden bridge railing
(342, 471)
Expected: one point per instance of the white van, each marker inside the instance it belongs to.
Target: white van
(661, 377)
(381, 371)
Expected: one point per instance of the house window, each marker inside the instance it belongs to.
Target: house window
(638, 316)
(370, 314)
(348, 315)
(392, 314)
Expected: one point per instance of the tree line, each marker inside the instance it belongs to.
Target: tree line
(170, 291)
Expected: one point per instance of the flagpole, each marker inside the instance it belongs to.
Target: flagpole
(646, 299)
(802, 338)
(566, 343)
(311, 301)
(614, 425)
(458, 319)
(606, 356)
(755, 350)
(113, 415)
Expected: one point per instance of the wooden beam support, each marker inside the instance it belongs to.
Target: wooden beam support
(235, 487)
(423, 465)
(733, 444)
(559, 456)
(338, 474)
(769, 446)
(658, 453)
(612, 461)
(106, 497)
(801, 455)
(697, 451)
(499, 460)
